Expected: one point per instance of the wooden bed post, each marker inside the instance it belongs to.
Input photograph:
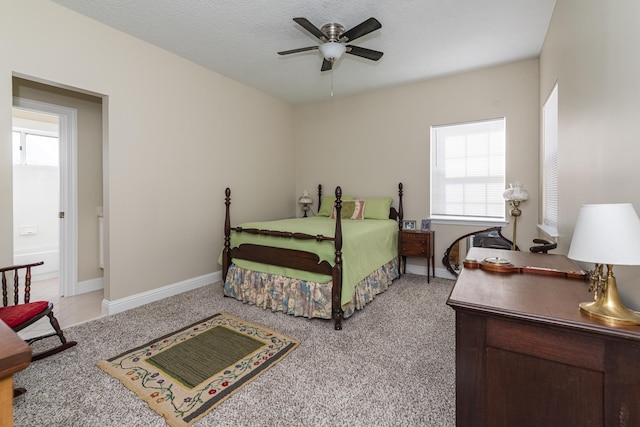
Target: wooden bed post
(319, 197)
(226, 252)
(337, 269)
(400, 211)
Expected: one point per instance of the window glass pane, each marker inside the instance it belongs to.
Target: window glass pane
(41, 150)
(15, 142)
(456, 168)
(467, 170)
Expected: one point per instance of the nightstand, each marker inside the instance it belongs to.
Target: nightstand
(418, 243)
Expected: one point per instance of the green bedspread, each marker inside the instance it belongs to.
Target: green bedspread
(367, 245)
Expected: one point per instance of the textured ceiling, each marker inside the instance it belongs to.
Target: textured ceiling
(420, 39)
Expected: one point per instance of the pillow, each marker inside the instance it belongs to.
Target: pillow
(350, 209)
(377, 208)
(327, 204)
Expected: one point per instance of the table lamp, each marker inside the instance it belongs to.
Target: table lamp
(305, 201)
(607, 234)
(515, 195)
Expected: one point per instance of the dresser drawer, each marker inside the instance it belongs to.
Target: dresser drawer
(414, 243)
(413, 249)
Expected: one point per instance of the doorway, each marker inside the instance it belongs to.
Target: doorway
(45, 182)
(36, 192)
(81, 181)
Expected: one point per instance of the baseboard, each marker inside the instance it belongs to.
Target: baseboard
(133, 301)
(422, 270)
(445, 274)
(90, 285)
(417, 269)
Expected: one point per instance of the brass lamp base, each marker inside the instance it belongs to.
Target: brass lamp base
(608, 307)
(613, 315)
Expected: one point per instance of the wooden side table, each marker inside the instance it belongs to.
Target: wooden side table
(418, 243)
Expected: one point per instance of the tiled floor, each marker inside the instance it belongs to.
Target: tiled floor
(68, 310)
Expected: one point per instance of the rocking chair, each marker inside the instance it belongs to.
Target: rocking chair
(20, 315)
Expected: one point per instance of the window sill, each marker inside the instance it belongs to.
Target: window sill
(549, 230)
(472, 222)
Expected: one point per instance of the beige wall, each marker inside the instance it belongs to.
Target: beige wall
(369, 143)
(591, 49)
(176, 135)
(89, 154)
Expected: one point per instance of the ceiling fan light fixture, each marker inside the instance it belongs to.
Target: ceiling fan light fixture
(332, 50)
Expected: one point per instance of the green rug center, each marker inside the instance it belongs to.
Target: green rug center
(199, 358)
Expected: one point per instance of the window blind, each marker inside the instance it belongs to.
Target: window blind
(468, 170)
(550, 160)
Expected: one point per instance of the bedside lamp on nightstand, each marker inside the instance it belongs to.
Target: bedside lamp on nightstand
(305, 201)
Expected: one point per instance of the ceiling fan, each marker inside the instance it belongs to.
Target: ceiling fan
(334, 38)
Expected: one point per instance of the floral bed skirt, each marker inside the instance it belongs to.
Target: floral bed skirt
(300, 297)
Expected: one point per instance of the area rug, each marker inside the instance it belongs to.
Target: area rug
(185, 374)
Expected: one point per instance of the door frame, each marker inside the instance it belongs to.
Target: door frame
(68, 138)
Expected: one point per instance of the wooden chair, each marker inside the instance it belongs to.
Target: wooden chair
(22, 314)
(543, 246)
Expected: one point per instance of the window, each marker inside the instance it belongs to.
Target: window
(550, 164)
(468, 171)
(34, 149)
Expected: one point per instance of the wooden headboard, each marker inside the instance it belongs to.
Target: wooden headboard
(393, 213)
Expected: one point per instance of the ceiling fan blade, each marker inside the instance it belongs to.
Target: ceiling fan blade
(363, 52)
(362, 29)
(304, 23)
(326, 65)
(302, 49)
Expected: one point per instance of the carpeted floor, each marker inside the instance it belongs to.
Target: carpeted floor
(393, 364)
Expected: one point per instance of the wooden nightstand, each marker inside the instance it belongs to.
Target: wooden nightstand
(417, 243)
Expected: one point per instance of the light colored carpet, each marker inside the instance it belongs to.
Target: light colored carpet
(393, 364)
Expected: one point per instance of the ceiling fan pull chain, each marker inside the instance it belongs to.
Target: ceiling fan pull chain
(332, 82)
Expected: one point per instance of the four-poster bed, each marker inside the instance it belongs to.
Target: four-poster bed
(323, 266)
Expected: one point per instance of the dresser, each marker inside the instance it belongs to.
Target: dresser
(527, 356)
(418, 243)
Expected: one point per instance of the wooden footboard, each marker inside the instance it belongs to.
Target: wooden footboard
(296, 259)
(290, 258)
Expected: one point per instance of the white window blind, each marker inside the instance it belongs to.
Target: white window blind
(550, 161)
(468, 171)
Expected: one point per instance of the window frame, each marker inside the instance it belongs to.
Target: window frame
(498, 181)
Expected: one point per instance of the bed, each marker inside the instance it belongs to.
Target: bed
(325, 266)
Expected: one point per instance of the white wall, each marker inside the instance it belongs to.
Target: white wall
(369, 143)
(591, 49)
(176, 135)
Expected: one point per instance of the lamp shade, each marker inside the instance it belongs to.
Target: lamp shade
(305, 199)
(332, 50)
(516, 193)
(607, 234)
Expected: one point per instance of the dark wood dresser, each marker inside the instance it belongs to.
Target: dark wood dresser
(527, 356)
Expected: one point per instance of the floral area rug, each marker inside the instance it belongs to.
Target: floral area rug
(187, 373)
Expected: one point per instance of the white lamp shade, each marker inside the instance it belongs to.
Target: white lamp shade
(607, 234)
(305, 200)
(516, 193)
(332, 50)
